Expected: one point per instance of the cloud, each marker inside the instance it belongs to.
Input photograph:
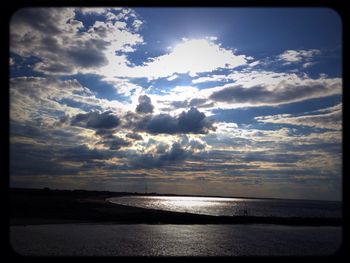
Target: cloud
(96, 120)
(172, 77)
(174, 155)
(87, 56)
(255, 63)
(80, 153)
(308, 64)
(190, 56)
(33, 160)
(298, 56)
(94, 10)
(211, 78)
(33, 97)
(145, 105)
(192, 121)
(195, 102)
(161, 123)
(50, 102)
(65, 46)
(179, 104)
(197, 145)
(134, 136)
(115, 143)
(283, 92)
(329, 118)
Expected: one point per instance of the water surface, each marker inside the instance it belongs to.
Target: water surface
(174, 240)
(234, 206)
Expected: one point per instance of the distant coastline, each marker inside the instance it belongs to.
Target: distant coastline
(116, 194)
(45, 206)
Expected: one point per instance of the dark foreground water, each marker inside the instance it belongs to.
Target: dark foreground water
(234, 206)
(173, 240)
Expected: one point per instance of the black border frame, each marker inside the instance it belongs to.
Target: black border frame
(342, 7)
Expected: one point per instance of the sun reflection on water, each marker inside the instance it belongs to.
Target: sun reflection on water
(189, 204)
(220, 206)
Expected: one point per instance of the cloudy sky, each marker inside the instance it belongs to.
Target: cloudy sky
(218, 101)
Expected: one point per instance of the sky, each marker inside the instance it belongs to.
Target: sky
(206, 101)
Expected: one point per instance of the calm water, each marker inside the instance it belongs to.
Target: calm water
(234, 206)
(173, 240)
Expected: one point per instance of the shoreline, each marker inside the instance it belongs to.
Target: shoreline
(56, 207)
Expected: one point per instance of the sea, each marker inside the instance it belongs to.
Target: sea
(217, 206)
(174, 240)
(208, 240)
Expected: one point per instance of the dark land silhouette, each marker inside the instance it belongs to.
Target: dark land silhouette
(45, 206)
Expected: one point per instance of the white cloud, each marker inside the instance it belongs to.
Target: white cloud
(98, 10)
(172, 77)
(295, 56)
(190, 56)
(255, 63)
(308, 64)
(33, 98)
(211, 78)
(123, 86)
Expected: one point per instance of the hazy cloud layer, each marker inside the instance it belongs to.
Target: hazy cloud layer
(279, 94)
(329, 118)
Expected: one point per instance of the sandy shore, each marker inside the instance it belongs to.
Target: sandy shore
(32, 207)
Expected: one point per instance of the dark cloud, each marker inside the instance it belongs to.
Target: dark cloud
(134, 136)
(240, 94)
(39, 19)
(31, 160)
(174, 155)
(87, 56)
(58, 67)
(196, 102)
(105, 133)
(80, 153)
(275, 158)
(261, 95)
(162, 123)
(192, 121)
(145, 105)
(179, 104)
(116, 143)
(197, 145)
(96, 120)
